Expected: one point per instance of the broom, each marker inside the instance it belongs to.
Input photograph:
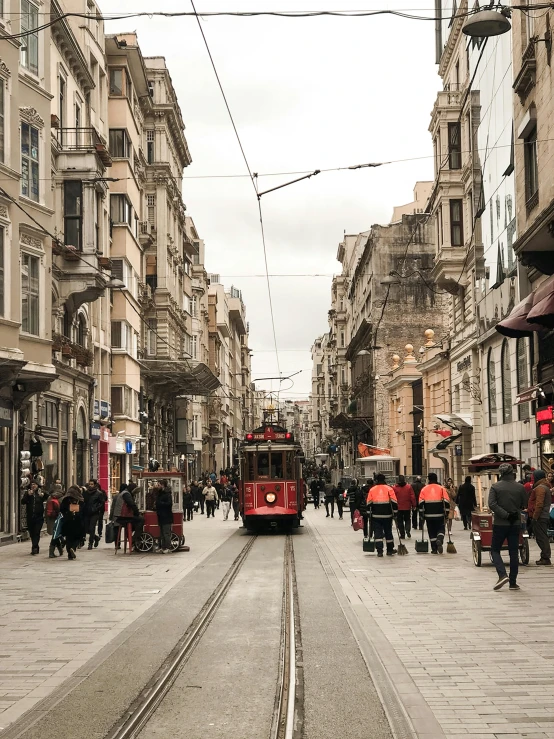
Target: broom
(402, 550)
(450, 548)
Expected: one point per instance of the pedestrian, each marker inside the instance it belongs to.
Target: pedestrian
(164, 512)
(452, 494)
(226, 500)
(541, 515)
(382, 506)
(434, 503)
(353, 494)
(467, 502)
(196, 490)
(507, 498)
(125, 511)
(406, 499)
(34, 499)
(314, 489)
(236, 501)
(188, 504)
(339, 498)
(210, 496)
(330, 500)
(550, 479)
(52, 513)
(417, 486)
(73, 525)
(93, 509)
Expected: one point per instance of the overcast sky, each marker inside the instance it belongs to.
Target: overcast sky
(305, 94)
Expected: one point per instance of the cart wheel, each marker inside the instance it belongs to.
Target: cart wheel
(175, 542)
(476, 551)
(145, 543)
(524, 552)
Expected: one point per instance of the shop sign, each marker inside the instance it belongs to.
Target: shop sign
(95, 430)
(457, 450)
(6, 413)
(545, 421)
(129, 447)
(96, 411)
(465, 364)
(104, 434)
(104, 409)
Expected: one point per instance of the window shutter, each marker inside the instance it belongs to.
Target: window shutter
(117, 269)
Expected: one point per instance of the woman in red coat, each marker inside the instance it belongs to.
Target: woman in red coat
(406, 502)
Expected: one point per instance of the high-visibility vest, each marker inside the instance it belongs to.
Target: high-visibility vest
(434, 501)
(381, 501)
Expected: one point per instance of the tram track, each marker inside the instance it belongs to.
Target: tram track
(287, 718)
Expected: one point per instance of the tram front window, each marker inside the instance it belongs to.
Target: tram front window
(263, 464)
(277, 466)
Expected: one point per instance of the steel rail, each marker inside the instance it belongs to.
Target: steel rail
(145, 705)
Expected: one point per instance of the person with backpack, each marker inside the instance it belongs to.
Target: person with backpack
(52, 512)
(93, 509)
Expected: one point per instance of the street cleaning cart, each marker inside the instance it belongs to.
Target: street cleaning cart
(485, 467)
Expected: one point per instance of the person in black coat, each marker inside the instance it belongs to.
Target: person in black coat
(93, 509)
(164, 511)
(188, 504)
(466, 501)
(34, 500)
(73, 526)
(417, 487)
(314, 489)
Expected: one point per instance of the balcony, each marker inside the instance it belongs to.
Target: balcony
(70, 350)
(453, 263)
(79, 148)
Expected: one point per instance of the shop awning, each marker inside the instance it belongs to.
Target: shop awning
(533, 313)
(186, 377)
(352, 423)
(456, 421)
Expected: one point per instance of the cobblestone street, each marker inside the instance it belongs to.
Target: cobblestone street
(481, 661)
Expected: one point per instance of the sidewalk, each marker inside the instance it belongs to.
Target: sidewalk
(482, 661)
(57, 614)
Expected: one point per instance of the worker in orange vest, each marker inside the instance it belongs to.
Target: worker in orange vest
(382, 507)
(434, 504)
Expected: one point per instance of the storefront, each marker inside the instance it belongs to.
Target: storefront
(6, 451)
(121, 451)
(545, 436)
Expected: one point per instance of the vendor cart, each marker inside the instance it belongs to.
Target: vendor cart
(145, 500)
(486, 471)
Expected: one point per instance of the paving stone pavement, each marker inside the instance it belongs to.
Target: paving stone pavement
(56, 614)
(483, 661)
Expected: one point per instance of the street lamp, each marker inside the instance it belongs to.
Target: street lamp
(487, 23)
(115, 284)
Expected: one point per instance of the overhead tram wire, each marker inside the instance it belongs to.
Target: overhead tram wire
(252, 179)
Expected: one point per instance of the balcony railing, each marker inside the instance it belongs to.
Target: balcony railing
(82, 140)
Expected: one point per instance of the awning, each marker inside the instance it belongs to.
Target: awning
(353, 423)
(175, 377)
(533, 313)
(526, 396)
(542, 311)
(445, 443)
(456, 421)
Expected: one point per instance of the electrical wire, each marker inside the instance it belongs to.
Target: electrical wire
(252, 179)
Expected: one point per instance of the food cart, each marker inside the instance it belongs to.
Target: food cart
(485, 467)
(145, 500)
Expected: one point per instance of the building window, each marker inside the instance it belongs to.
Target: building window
(30, 294)
(29, 162)
(2, 292)
(122, 336)
(456, 223)
(151, 88)
(531, 166)
(72, 213)
(194, 347)
(342, 339)
(2, 119)
(151, 345)
(491, 378)
(151, 210)
(116, 82)
(150, 146)
(120, 144)
(454, 146)
(82, 331)
(121, 210)
(29, 50)
(522, 376)
(506, 374)
(49, 414)
(194, 306)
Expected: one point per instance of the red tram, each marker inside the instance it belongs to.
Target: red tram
(271, 490)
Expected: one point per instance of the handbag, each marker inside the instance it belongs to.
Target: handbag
(110, 533)
(57, 530)
(457, 516)
(357, 522)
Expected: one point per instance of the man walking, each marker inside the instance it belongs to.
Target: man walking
(164, 511)
(434, 504)
(226, 498)
(406, 503)
(210, 496)
(330, 499)
(417, 487)
(467, 502)
(382, 506)
(507, 498)
(314, 489)
(541, 515)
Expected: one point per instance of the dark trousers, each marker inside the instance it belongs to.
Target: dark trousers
(34, 528)
(435, 527)
(382, 528)
(236, 509)
(415, 514)
(165, 535)
(91, 522)
(368, 529)
(100, 524)
(201, 502)
(466, 518)
(137, 523)
(316, 500)
(404, 523)
(339, 507)
(540, 528)
(210, 508)
(499, 535)
(189, 512)
(330, 503)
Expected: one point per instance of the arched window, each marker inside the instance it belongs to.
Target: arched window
(491, 381)
(506, 372)
(81, 330)
(522, 376)
(66, 327)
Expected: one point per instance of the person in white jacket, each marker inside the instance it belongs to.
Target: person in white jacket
(210, 496)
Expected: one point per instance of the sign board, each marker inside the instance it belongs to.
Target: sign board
(95, 430)
(96, 410)
(457, 450)
(104, 409)
(129, 447)
(6, 413)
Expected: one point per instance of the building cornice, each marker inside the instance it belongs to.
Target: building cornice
(66, 42)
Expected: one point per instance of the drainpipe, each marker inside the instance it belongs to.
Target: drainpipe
(445, 462)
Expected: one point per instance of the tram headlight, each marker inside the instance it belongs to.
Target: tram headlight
(270, 497)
